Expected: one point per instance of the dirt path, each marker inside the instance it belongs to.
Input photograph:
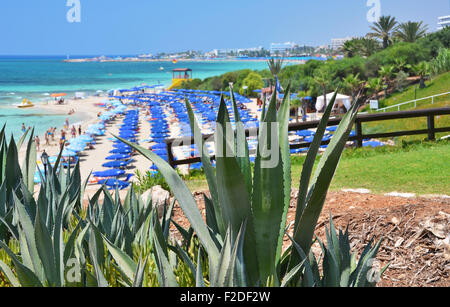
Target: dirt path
(412, 229)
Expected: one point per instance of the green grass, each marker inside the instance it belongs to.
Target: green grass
(435, 86)
(416, 167)
(440, 84)
(421, 169)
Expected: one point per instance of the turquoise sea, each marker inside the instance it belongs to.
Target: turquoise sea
(35, 78)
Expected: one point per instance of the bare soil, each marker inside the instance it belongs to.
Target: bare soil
(413, 232)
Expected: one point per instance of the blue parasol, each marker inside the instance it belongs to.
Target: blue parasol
(109, 173)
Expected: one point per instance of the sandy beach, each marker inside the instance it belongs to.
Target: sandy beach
(93, 159)
(90, 160)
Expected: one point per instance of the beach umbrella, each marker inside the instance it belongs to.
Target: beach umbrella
(305, 133)
(114, 183)
(109, 173)
(76, 147)
(373, 144)
(118, 157)
(86, 138)
(116, 164)
(332, 129)
(121, 151)
(68, 153)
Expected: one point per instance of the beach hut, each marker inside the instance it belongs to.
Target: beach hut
(342, 103)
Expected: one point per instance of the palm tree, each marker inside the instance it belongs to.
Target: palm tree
(383, 29)
(402, 65)
(375, 86)
(350, 48)
(322, 77)
(369, 46)
(422, 70)
(353, 83)
(275, 66)
(411, 31)
(386, 73)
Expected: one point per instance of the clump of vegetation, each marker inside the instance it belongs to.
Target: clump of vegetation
(145, 181)
(50, 239)
(391, 48)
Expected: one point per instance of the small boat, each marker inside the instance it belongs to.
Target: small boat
(161, 68)
(25, 104)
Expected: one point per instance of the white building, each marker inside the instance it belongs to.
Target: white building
(281, 48)
(337, 43)
(443, 22)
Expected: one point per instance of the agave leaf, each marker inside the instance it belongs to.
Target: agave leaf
(58, 239)
(70, 245)
(3, 151)
(158, 234)
(268, 195)
(330, 268)
(322, 180)
(9, 274)
(335, 243)
(184, 256)
(221, 279)
(139, 276)
(22, 139)
(28, 244)
(25, 276)
(96, 252)
(241, 145)
(237, 272)
(126, 264)
(13, 174)
(211, 220)
(29, 165)
(308, 165)
(45, 249)
(167, 217)
(199, 281)
(10, 227)
(167, 277)
(285, 151)
(184, 197)
(308, 278)
(207, 166)
(233, 193)
(362, 279)
(291, 274)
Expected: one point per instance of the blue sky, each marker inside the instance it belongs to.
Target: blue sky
(30, 27)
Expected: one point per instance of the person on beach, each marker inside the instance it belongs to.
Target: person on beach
(63, 138)
(74, 132)
(47, 138)
(79, 130)
(23, 128)
(66, 126)
(38, 143)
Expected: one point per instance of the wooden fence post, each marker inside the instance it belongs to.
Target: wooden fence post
(358, 128)
(431, 134)
(170, 156)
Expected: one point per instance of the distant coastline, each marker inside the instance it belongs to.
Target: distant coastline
(136, 59)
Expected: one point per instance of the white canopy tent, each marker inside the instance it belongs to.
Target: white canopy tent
(341, 101)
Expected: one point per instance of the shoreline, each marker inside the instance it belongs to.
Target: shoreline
(134, 60)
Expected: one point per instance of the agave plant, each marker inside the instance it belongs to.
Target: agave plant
(242, 238)
(126, 243)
